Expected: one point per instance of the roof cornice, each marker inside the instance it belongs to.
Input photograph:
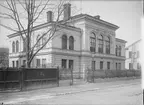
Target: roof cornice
(46, 25)
(86, 16)
(120, 40)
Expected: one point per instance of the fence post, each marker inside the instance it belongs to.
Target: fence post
(58, 76)
(93, 75)
(71, 83)
(22, 79)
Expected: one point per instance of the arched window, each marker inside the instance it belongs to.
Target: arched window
(107, 45)
(116, 50)
(44, 41)
(13, 46)
(92, 42)
(38, 41)
(17, 46)
(71, 43)
(100, 48)
(24, 44)
(64, 42)
(119, 50)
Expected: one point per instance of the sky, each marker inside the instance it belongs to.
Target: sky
(125, 14)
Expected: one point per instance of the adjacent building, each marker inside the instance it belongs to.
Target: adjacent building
(133, 56)
(4, 57)
(84, 42)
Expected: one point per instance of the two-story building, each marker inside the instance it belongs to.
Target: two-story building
(84, 42)
(133, 56)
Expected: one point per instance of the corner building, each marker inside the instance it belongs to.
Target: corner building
(84, 42)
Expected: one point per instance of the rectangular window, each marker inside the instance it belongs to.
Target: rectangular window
(108, 65)
(116, 66)
(93, 65)
(70, 64)
(44, 63)
(130, 54)
(38, 62)
(64, 63)
(17, 64)
(130, 65)
(101, 64)
(13, 63)
(119, 66)
(24, 62)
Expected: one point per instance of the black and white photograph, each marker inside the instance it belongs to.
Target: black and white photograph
(71, 52)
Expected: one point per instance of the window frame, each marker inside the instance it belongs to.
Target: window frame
(100, 44)
(64, 41)
(71, 43)
(93, 42)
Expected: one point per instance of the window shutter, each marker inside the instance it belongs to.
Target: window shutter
(130, 54)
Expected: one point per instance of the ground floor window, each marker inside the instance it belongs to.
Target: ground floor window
(101, 64)
(108, 65)
(93, 65)
(64, 63)
(70, 64)
(44, 63)
(13, 63)
(37, 62)
(119, 66)
(130, 65)
(17, 64)
(24, 62)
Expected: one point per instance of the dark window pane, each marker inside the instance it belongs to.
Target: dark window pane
(64, 42)
(101, 64)
(64, 63)
(71, 64)
(71, 43)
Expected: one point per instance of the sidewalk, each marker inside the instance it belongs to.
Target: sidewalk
(9, 98)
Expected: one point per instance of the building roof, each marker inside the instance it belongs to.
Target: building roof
(45, 25)
(94, 18)
(76, 17)
(133, 43)
(121, 40)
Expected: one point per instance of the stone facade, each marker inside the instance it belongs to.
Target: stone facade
(80, 27)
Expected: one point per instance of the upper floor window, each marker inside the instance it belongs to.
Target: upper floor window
(119, 50)
(100, 48)
(71, 43)
(38, 41)
(107, 45)
(44, 42)
(92, 42)
(116, 50)
(17, 46)
(64, 42)
(24, 44)
(13, 46)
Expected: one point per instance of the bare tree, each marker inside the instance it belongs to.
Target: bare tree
(32, 10)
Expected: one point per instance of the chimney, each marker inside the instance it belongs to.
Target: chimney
(49, 16)
(67, 11)
(98, 16)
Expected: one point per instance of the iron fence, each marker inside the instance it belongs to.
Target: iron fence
(95, 74)
(21, 78)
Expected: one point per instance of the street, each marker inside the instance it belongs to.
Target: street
(127, 94)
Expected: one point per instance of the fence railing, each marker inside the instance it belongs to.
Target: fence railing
(21, 78)
(94, 74)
